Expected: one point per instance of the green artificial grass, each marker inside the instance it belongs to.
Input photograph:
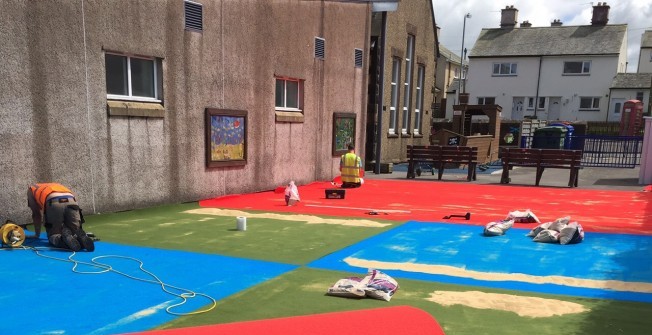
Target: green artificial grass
(168, 227)
(302, 292)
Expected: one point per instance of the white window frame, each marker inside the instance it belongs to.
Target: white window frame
(543, 102)
(504, 69)
(421, 73)
(299, 97)
(583, 71)
(396, 75)
(595, 104)
(129, 96)
(483, 100)
(407, 95)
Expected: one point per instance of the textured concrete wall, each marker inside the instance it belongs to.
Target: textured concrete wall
(54, 124)
(412, 16)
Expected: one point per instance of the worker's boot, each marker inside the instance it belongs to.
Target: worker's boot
(85, 240)
(69, 240)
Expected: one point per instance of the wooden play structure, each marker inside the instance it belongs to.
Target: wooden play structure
(461, 135)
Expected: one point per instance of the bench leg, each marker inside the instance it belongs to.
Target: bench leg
(539, 174)
(471, 175)
(504, 179)
(574, 176)
(410, 171)
(440, 171)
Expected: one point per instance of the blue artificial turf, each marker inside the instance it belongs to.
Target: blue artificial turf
(44, 296)
(601, 256)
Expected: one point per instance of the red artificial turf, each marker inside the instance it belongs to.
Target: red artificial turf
(597, 210)
(378, 321)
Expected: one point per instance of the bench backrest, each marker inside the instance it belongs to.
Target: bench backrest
(442, 153)
(547, 157)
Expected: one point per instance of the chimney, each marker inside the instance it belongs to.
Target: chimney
(508, 17)
(600, 14)
(526, 24)
(556, 23)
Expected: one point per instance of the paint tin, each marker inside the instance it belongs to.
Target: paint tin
(241, 223)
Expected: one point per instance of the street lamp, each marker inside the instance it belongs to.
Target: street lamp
(459, 90)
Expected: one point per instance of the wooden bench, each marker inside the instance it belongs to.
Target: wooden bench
(438, 156)
(541, 159)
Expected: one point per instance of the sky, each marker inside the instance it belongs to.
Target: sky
(449, 16)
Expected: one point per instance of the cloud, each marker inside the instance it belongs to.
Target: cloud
(486, 14)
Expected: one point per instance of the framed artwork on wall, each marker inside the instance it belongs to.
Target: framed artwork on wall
(343, 132)
(226, 137)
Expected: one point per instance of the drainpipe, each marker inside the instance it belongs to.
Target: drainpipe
(379, 102)
(536, 98)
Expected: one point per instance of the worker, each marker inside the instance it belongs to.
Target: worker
(351, 169)
(56, 205)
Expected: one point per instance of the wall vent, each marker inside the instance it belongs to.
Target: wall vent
(358, 57)
(320, 52)
(194, 16)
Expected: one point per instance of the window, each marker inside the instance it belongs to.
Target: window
(617, 107)
(639, 96)
(396, 74)
(583, 67)
(457, 72)
(540, 105)
(407, 96)
(421, 72)
(133, 78)
(289, 93)
(504, 69)
(590, 103)
(486, 101)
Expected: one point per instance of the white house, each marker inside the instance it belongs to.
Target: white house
(550, 73)
(645, 56)
(629, 86)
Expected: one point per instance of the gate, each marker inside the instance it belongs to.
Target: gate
(604, 151)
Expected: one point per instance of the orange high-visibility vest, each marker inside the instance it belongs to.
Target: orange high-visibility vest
(350, 168)
(41, 191)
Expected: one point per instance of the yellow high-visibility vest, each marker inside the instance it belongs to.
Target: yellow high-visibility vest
(350, 168)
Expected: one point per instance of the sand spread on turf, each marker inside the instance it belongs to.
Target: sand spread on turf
(524, 306)
(310, 219)
(447, 270)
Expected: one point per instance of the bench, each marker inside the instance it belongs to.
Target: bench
(541, 159)
(438, 156)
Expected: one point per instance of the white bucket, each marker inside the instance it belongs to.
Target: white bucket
(241, 222)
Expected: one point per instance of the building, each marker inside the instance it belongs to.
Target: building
(629, 86)
(448, 84)
(645, 56)
(401, 82)
(133, 104)
(552, 73)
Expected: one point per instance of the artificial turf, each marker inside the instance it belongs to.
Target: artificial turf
(302, 291)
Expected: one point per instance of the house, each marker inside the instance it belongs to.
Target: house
(447, 81)
(550, 73)
(645, 56)
(629, 86)
(402, 75)
(134, 104)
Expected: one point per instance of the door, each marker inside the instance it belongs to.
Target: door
(517, 108)
(554, 108)
(616, 108)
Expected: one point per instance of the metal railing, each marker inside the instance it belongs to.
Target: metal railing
(598, 151)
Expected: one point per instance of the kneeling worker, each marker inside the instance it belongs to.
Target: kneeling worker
(351, 168)
(63, 218)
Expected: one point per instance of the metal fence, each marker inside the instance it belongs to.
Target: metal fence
(598, 151)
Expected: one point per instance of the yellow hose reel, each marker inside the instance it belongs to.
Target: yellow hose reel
(12, 234)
